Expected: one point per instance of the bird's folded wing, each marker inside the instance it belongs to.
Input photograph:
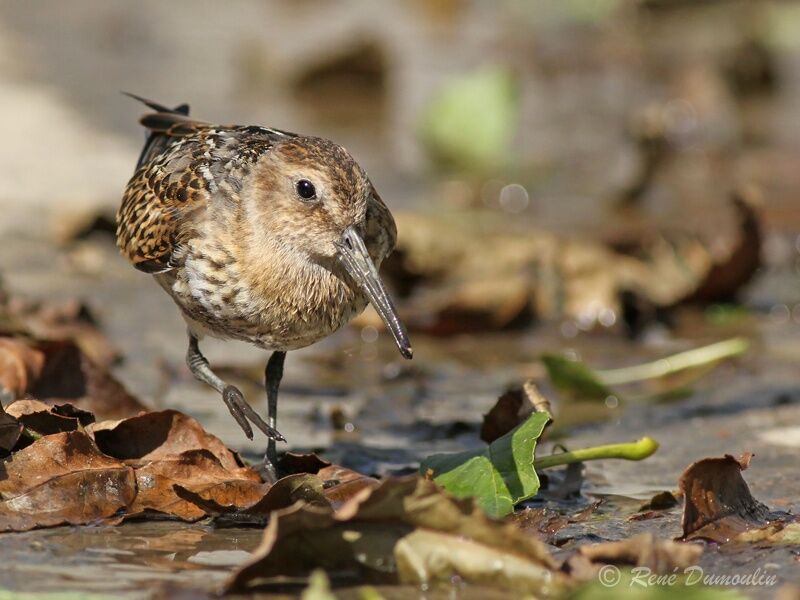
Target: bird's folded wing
(169, 187)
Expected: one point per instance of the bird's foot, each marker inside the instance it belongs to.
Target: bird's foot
(242, 412)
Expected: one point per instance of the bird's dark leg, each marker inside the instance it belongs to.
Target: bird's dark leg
(272, 381)
(231, 395)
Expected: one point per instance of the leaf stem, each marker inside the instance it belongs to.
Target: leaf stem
(637, 450)
(677, 362)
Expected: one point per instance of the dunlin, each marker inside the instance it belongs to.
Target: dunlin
(259, 235)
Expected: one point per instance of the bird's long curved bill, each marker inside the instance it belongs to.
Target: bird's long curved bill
(356, 260)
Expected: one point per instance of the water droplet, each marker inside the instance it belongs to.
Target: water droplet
(607, 317)
(568, 329)
(514, 198)
(369, 334)
(779, 313)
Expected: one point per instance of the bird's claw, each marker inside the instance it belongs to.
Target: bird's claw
(242, 412)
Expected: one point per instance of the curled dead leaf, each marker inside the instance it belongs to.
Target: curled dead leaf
(511, 409)
(718, 504)
(157, 435)
(43, 419)
(341, 485)
(293, 462)
(10, 430)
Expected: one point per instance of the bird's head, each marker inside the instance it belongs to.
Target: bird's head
(313, 201)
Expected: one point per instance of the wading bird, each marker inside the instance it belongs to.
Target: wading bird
(259, 235)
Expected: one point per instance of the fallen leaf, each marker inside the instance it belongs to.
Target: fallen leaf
(732, 271)
(69, 374)
(60, 479)
(511, 409)
(661, 501)
(19, 365)
(471, 120)
(643, 550)
(199, 472)
(574, 378)
(718, 504)
(472, 271)
(84, 417)
(41, 418)
(284, 493)
(157, 435)
(293, 462)
(499, 476)
(10, 430)
(405, 530)
(777, 532)
(70, 320)
(341, 485)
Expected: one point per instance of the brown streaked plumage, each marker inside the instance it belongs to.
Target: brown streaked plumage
(259, 235)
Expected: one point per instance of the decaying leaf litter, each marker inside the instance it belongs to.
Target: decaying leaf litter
(64, 467)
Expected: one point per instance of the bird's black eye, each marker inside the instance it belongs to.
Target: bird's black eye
(306, 190)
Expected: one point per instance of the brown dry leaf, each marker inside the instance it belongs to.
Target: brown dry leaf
(69, 374)
(198, 472)
(718, 504)
(738, 265)
(158, 435)
(10, 430)
(332, 487)
(293, 462)
(342, 485)
(643, 550)
(405, 530)
(43, 419)
(52, 321)
(471, 272)
(19, 366)
(679, 268)
(660, 501)
(511, 409)
(285, 492)
(60, 479)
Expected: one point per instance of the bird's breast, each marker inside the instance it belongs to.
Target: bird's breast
(280, 306)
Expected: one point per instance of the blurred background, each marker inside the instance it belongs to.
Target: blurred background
(614, 179)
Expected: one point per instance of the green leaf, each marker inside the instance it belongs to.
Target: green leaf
(472, 120)
(499, 476)
(574, 378)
